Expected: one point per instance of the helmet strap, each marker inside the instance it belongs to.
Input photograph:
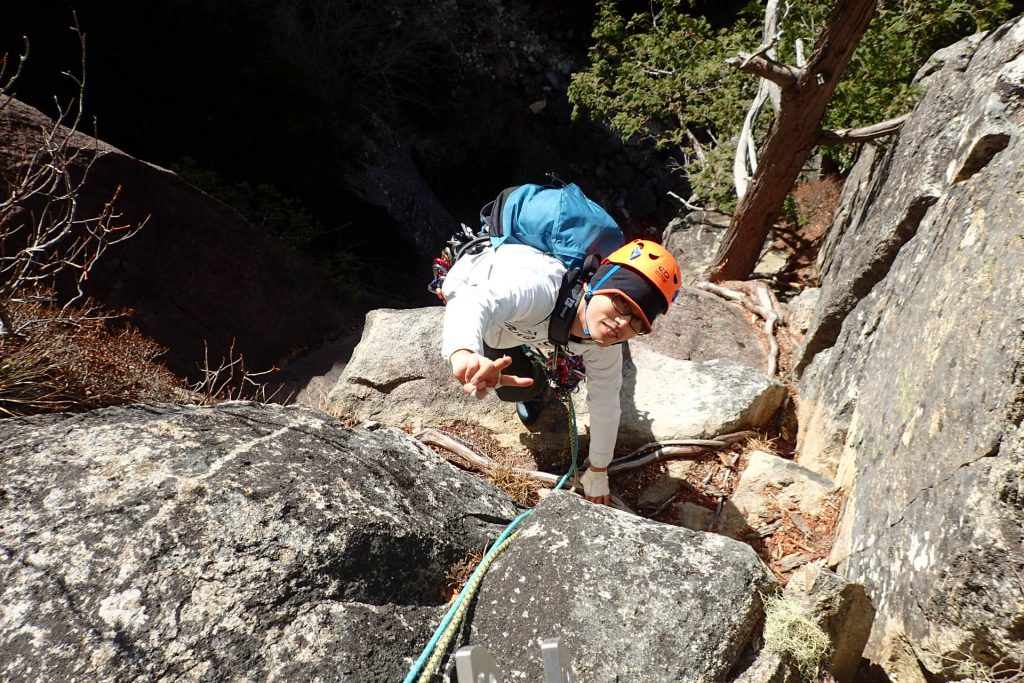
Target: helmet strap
(590, 294)
(586, 304)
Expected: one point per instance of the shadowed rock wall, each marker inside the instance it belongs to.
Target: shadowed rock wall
(197, 271)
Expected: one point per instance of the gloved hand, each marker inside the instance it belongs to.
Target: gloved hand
(595, 486)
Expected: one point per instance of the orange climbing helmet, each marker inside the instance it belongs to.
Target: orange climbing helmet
(644, 272)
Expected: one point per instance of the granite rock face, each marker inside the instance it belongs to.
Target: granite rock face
(632, 599)
(236, 542)
(914, 385)
(702, 326)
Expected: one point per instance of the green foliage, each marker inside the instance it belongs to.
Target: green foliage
(656, 75)
(661, 74)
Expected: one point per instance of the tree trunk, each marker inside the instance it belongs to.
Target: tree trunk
(793, 135)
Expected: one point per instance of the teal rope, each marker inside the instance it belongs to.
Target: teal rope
(449, 624)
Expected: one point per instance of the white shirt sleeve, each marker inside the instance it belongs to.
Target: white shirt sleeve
(604, 382)
(485, 292)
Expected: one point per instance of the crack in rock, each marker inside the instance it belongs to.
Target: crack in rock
(388, 386)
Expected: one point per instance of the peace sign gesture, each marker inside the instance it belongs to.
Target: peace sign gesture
(477, 373)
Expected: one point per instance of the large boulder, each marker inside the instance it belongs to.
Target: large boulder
(235, 542)
(693, 239)
(397, 376)
(198, 276)
(840, 608)
(702, 326)
(920, 400)
(631, 599)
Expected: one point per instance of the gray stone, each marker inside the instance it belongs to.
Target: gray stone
(919, 395)
(390, 179)
(842, 608)
(703, 326)
(693, 516)
(767, 667)
(791, 486)
(667, 484)
(801, 308)
(771, 263)
(693, 239)
(964, 120)
(824, 412)
(225, 543)
(632, 599)
(396, 376)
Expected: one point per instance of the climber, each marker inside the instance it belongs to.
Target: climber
(501, 299)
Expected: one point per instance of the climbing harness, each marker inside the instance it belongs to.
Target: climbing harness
(429, 661)
(565, 370)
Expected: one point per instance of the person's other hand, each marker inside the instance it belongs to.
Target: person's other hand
(595, 485)
(477, 373)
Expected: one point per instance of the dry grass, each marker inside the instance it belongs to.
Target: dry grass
(78, 359)
(762, 443)
(519, 487)
(458, 574)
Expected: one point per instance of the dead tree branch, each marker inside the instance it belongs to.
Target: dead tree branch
(745, 160)
(757, 298)
(847, 136)
(434, 437)
(783, 75)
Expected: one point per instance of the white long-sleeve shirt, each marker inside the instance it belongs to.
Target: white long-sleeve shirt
(504, 298)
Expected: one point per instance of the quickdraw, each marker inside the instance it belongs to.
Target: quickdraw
(460, 243)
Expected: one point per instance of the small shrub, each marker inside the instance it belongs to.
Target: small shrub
(789, 631)
(77, 359)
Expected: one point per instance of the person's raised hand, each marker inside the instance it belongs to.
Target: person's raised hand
(477, 373)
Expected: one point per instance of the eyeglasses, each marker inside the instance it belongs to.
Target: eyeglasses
(625, 311)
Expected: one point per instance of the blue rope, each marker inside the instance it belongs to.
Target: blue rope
(494, 549)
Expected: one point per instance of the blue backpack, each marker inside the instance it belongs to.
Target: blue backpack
(556, 220)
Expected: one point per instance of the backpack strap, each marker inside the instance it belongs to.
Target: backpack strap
(490, 214)
(569, 296)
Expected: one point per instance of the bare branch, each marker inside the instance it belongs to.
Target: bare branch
(758, 299)
(231, 380)
(698, 148)
(745, 160)
(773, 17)
(688, 205)
(7, 80)
(784, 75)
(43, 235)
(434, 437)
(846, 136)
